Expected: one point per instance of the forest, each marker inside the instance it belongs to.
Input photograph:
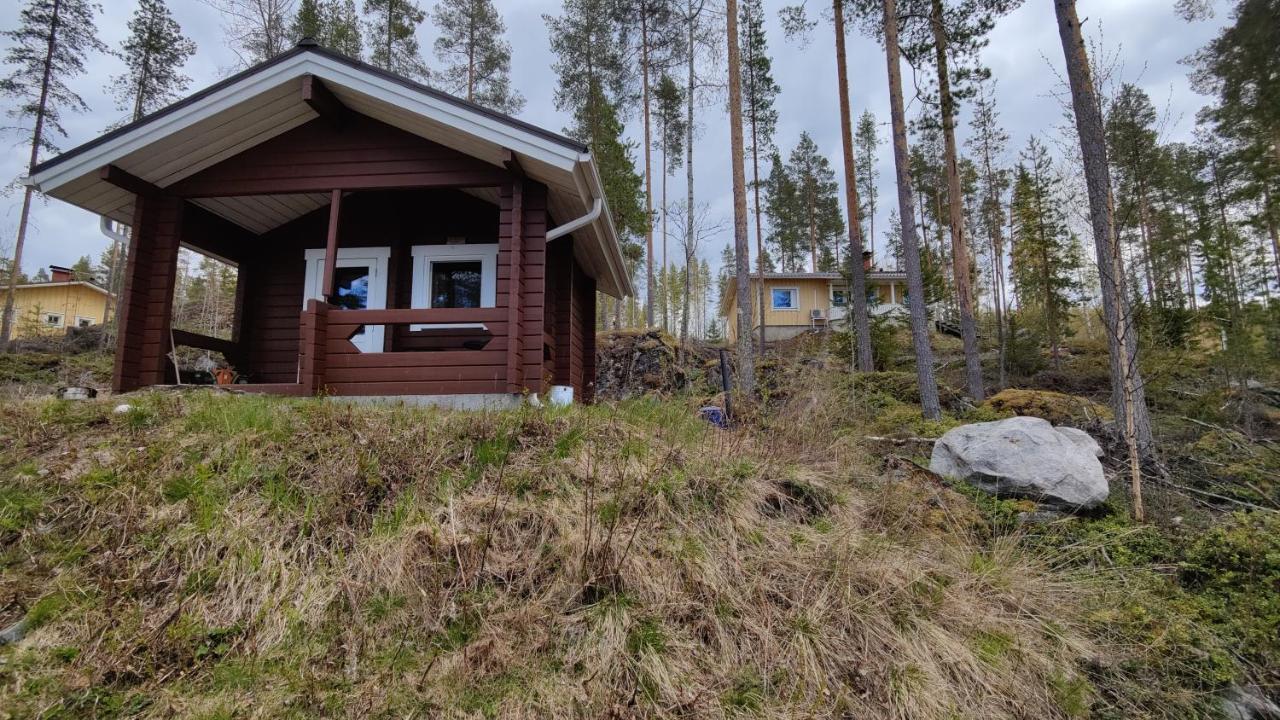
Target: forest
(1095, 224)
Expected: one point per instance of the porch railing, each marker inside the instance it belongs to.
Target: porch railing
(329, 360)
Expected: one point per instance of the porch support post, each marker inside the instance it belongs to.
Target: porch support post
(315, 337)
(893, 293)
(331, 246)
(515, 290)
(144, 309)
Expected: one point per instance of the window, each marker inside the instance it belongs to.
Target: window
(786, 299)
(53, 320)
(83, 322)
(359, 283)
(351, 287)
(839, 298)
(455, 276)
(456, 284)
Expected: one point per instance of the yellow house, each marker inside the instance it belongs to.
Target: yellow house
(808, 301)
(52, 307)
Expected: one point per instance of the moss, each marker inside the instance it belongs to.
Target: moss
(1058, 408)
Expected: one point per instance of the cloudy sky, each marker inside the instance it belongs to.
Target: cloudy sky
(1145, 37)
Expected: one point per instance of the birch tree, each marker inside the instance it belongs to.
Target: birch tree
(255, 30)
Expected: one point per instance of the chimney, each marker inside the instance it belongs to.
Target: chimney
(866, 261)
(60, 274)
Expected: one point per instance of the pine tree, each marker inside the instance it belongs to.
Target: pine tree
(48, 51)
(650, 28)
(308, 21)
(334, 24)
(950, 40)
(343, 31)
(795, 24)
(1132, 146)
(989, 142)
(882, 19)
(1045, 257)
(818, 201)
(787, 232)
(759, 91)
(867, 141)
(742, 250)
(154, 54)
(1127, 394)
(668, 114)
(392, 34)
(477, 60)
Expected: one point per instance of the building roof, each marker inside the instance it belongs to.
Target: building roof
(265, 101)
(67, 283)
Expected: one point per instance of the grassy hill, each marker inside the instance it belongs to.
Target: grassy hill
(213, 555)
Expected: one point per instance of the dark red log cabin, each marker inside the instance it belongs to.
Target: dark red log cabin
(391, 240)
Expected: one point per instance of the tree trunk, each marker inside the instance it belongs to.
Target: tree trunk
(688, 136)
(929, 404)
(1272, 229)
(959, 246)
(755, 174)
(1128, 397)
(858, 320)
(666, 305)
(37, 135)
(648, 164)
(746, 346)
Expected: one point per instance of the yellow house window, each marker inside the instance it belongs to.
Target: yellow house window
(53, 320)
(786, 298)
(83, 322)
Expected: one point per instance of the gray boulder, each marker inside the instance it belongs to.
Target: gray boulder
(1025, 457)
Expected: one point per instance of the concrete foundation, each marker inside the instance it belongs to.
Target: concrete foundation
(482, 401)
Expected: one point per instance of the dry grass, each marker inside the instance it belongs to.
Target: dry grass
(223, 556)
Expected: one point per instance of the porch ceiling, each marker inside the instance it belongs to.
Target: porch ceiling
(264, 102)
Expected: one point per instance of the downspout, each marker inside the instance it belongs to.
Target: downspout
(592, 215)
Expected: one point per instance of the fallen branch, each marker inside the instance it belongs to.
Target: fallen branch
(1206, 493)
(899, 441)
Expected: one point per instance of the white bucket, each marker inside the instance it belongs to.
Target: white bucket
(561, 395)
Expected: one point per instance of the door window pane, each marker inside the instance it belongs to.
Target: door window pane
(455, 284)
(351, 288)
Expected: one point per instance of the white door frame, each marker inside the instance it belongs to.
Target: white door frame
(377, 260)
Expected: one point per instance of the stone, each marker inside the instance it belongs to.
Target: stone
(1025, 457)
(1239, 703)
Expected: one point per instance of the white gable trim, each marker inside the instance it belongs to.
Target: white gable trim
(472, 122)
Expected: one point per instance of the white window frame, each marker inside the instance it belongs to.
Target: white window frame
(425, 255)
(84, 319)
(62, 319)
(795, 294)
(378, 260)
(832, 298)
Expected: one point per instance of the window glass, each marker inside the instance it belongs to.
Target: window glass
(839, 298)
(455, 284)
(53, 320)
(351, 287)
(784, 299)
(84, 322)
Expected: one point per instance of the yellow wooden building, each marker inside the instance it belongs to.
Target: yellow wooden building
(812, 301)
(50, 308)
